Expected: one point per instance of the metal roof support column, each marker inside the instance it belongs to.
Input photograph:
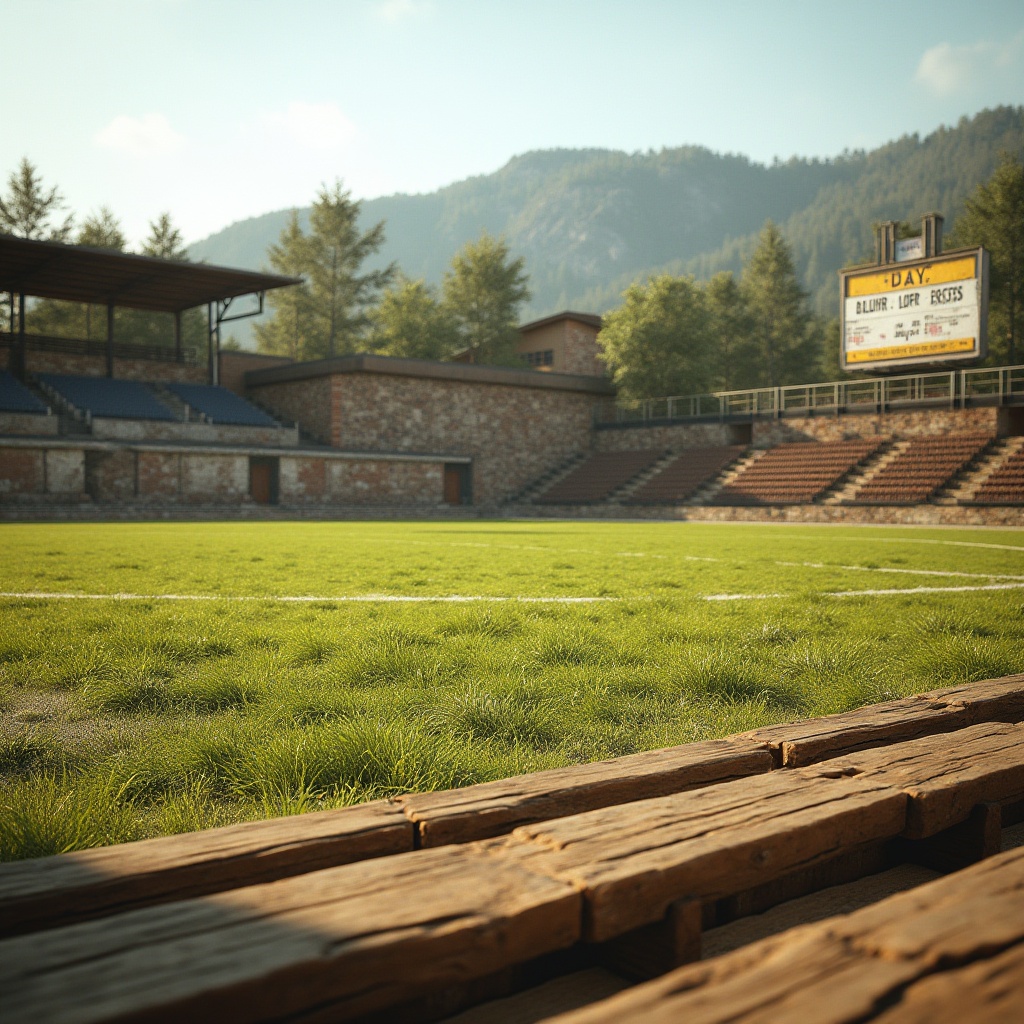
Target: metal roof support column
(209, 341)
(21, 358)
(110, 339)
(178, 355)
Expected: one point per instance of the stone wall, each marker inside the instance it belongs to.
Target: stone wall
(512, 434)
(41, 472)
(124, 369)
(306, 402)
(311, 480)
(114, 429)
(900, 424)
(28, 423)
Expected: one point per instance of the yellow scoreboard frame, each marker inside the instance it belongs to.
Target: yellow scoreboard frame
(925, 311)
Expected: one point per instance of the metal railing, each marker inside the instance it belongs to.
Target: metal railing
(83, 347)
(951, 389)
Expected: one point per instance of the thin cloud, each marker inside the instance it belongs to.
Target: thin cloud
(146, 136)
(317, 126)
(947, 70)
(396, 11)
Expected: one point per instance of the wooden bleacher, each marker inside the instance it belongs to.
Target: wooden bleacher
(685, 475)
(619, 867)
(1006, 485)
(598, 477)
(927, 464)
(794, 474)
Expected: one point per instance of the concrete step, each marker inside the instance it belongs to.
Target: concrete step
(969, 481)
(631, 486)
(707, 493)
(868, 471)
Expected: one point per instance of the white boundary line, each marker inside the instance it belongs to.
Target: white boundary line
(908, 572)
(304, 599)
(870, 593)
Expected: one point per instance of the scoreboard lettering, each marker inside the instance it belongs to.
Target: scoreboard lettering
(928, 312)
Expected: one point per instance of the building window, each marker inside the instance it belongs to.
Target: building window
(540, 358)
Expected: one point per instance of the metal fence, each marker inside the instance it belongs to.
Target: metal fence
(950, 389)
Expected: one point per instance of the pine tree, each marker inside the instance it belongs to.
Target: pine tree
(483, 291)
(778, 312)
(29, 209)
(994, 218)
(328, 314)
(165, 241)
(290, 331)
(734, 355)
(409, 322)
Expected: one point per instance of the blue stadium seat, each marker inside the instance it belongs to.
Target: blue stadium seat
(15, 397)
(101, 396)
(219, 405)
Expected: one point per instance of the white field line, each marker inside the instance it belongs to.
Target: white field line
(305, 598)
(870, 593)
(925, 540)
(911, 572)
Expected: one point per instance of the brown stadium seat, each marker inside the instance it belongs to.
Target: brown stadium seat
(918, 472)
(685, 475)
(598, 477)
(793, 474)
(1006, 485)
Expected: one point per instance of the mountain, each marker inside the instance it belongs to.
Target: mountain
(589, 222)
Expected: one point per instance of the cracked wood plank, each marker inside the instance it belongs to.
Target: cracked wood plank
(949, 950)
(52, 891)
(496, 808)
(338, 943)
(940, 711)
(631, 861)
(945, 776)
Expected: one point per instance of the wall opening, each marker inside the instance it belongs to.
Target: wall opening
(1011, 422)
(263, 480)
(457, 484)
(741, 433)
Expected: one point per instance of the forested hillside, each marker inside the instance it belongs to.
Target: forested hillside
(589, 222)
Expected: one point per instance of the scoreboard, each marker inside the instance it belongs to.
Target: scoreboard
(920, 312)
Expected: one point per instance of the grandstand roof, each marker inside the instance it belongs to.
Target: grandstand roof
(77, 273)
(593, 319)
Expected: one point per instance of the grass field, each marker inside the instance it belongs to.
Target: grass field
(197, 674)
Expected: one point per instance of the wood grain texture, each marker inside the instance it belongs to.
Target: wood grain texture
(52, 891)
(630, 862)
(496, 808)
(943, 776)
(338, 943)
(940, 711)
(960, 938)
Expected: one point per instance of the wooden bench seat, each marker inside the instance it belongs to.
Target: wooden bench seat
(496, 808)
(938, 711)
(331, 945)
(950, 950)
(631, 862)
(51, 891)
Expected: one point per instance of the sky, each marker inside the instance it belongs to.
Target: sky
(218, 110)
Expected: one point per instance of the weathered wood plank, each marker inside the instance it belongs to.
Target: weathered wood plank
(940, 711)
(52, 891)
(496, 808)
(901, 955)
(337, 943)
(944, 776)
(631, 861)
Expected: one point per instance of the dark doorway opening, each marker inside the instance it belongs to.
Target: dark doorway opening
(263, 480)
(457, 484)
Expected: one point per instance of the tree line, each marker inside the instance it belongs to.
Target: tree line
(30, 209)
(671, 334)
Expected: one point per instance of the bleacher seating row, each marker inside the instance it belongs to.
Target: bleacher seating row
(685, 475)
(130, 399)
(102, 396)
(790, 474)
(796, 473)
(1006, 485)
(15, 397)
(921, 469)
(597, 478)
(219, 405)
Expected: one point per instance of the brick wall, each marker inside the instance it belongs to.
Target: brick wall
(21, 471)
(513, 434)
(306, 402)
(309, 480)
(680, 435)
(36, 472)
(28, 423)
(113, 429)
(124, 369)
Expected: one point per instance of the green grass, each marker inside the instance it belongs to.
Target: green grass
(121, 719)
